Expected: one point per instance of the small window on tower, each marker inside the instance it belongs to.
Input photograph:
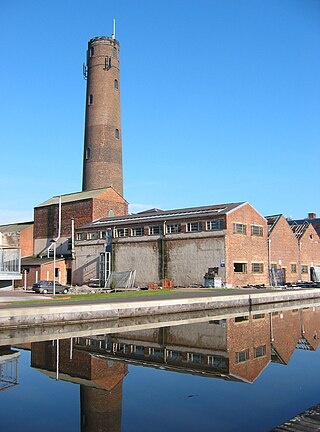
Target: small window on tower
(91, 51)
(116, 84)
(91, 99)
(117, 134)
(88, 153)
(114, 52)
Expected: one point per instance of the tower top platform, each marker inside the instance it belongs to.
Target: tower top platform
(98, 39)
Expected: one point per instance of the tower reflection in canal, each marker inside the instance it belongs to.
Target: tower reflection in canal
(235, 349)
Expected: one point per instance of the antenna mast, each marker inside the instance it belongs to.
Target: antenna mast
(114, 29)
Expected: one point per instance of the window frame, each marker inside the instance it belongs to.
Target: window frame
(210, 225)
(194, 226)
(259, 269)
(239, 358)
(173, 228)
(256, 230)
(243, 264)
(239, 228)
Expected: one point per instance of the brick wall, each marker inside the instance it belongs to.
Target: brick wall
(284, 248)
(309, 251)
(286, 331)
(248, 335)
(44, 272)
(246, 248)
(46, 218)
(26, 241)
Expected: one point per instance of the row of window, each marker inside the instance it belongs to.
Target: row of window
(243, 318)
(240, 228)
(240, 267)
(243, 356)
(293, 268)
(212, 225)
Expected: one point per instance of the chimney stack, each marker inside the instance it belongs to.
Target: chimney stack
(312, 216)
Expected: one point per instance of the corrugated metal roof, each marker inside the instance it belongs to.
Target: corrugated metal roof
(17, 227)
(160, 215)
(75, 196)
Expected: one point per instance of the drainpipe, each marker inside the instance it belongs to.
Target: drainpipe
(299, 258)
(72, 239)
(269, 259)
(54, 241)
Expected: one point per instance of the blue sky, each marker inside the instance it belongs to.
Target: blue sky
(220, 101)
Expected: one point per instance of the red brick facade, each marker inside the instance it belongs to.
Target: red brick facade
(246, 248)
(26, 241)
(283, 249)
(309, 248)
(83, 211)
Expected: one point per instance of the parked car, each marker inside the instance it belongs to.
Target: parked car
(45, 287)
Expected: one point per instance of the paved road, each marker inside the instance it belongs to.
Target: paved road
(21, 296)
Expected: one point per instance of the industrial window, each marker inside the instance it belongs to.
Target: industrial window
(194, 226)
(173, 228)
(80, 236)
(216, 224)
(90, 99)
(88, 153)
(293, 268)
(117, 133)
(257, 268)
(304, 269)
(217, 361)
(195, 358)
(258, 316)
(91, 51)
(116, 84)
(240, 267)
(239, 228)
(240, 319)
(155, 230)
(174, 356)
(242, 356)
(122, 232)
(137, 231)
(103, 234)
(92, 236)
(260, 351)
(256, 230)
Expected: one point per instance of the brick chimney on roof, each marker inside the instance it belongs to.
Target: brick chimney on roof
(312, 216)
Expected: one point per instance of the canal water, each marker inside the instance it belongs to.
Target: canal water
(248, 372)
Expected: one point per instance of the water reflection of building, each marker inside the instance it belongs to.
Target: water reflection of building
(100, 381)
(236, 349)
(8, 367)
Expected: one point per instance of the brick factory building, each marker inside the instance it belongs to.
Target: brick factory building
(179, 244)
(294, 248)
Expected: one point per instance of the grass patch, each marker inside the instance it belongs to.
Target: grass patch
(96, 296)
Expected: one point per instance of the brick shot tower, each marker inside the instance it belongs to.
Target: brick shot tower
(102, 161)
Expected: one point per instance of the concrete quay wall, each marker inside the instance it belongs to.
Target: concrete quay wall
(42, 315)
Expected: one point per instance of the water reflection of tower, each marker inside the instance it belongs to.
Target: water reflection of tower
(100, 382)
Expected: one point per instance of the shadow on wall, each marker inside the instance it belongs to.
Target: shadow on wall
(90, 270)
